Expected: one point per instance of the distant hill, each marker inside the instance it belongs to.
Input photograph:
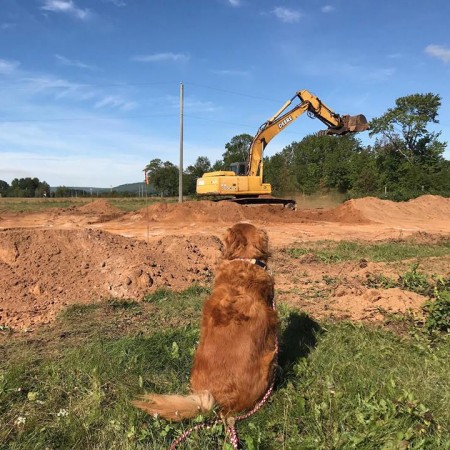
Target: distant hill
(132, 188)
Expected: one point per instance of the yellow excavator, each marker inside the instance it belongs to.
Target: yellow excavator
(244, 182)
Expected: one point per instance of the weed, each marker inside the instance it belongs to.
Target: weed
(335, 252)
(415, 281)
(438, 312)
(377, 281)
(123, 304)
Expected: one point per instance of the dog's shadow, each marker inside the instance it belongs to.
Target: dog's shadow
(297, 339)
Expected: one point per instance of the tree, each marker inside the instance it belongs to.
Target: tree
(4, 188)
(404, 128)
(409, 156)
(29, 187)
(237, 149)
(202, 165)
(164, 176)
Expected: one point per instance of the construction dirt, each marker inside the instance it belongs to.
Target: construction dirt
(84, 254)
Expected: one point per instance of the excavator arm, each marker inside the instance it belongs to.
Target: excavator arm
(315, 108)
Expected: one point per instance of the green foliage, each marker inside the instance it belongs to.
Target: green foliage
(404, 127)
(25, 187)
(438, 312)
(415, 281)
(333, 252)
(163, 176)
(201, 166)
(237, 150)
(4, 188)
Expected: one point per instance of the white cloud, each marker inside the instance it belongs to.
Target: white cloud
(66, 7)
(232, 73)
(60, 89)
(438, 51)
(7, 67)
(234, 3)
(192, 105)
(72, 62)
(395, 55)
(162, 57)
(328, 9)
(119, 3)
(7, 26)
(115, 101)
(287, 15)
(380, 74)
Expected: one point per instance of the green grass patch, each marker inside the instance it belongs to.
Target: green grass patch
(340, 385)
(29, 205)
(334, 252)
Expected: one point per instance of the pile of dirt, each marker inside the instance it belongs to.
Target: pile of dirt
(222, 211)
(374, 210)
(424, 208)
(100, 207)
(356, 211)
(348, 212)
(373, 304)
(41, 271)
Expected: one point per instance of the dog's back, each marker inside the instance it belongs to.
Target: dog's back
(238, 335)
(233, 363)
(239, 325)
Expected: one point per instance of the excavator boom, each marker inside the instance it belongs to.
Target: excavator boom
(311, 104)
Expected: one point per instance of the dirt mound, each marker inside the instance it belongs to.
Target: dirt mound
(43, 270)
(100, 206)
(348, 212)
(373, 304)
(374, 210)
(427, 207)
(356, 211)
(225, 212)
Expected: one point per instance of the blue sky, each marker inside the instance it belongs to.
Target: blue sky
(89, 89)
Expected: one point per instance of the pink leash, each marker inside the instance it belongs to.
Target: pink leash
(232, 432)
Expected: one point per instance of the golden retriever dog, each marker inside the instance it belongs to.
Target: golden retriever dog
(233, 365)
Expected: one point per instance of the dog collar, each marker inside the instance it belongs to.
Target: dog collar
(255, 261)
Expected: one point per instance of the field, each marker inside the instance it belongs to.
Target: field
(100, 301)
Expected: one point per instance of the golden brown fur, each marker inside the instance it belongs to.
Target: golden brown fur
(233, 363)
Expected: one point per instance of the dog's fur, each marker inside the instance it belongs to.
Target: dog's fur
(233, 363)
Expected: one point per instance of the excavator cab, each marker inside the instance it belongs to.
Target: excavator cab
(239, 168)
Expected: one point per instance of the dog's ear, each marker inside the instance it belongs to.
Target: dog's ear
(263, 243)
(233, 241)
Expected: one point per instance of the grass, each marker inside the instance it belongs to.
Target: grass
(29, 205)
(334, 252)
(340, 385)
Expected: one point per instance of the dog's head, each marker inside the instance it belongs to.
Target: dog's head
(244, 240)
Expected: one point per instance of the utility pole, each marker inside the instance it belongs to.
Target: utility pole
(180, 175)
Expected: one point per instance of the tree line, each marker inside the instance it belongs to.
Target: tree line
(24, 187)
(405, 161)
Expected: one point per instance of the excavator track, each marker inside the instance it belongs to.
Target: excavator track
(287, 203)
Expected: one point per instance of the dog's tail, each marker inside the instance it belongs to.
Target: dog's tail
(176, 407)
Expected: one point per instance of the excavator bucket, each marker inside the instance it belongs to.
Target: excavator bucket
(349, 124)
(356, 123)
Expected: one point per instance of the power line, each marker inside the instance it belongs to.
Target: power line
(24, 85)
(81, 119)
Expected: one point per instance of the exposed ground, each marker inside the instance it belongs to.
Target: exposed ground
(83, 254)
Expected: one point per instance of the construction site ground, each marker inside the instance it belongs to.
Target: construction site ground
(93, 251)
